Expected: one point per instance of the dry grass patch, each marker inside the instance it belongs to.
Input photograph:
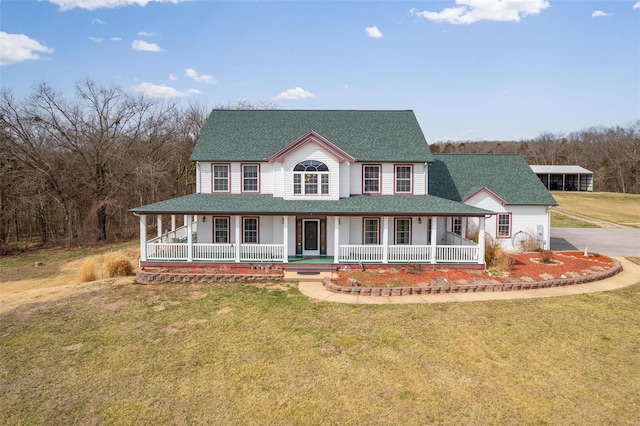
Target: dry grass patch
(88, 271)
(559, 220)
(116, 264)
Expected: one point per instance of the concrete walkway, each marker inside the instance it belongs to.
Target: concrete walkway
(630, 275)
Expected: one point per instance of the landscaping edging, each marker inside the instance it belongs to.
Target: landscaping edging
(149, 277)
(471, 288)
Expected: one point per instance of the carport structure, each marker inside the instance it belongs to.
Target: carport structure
(564, 177)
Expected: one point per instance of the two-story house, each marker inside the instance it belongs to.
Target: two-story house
(296, 186)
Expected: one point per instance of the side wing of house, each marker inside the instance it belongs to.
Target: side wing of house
(503, 184)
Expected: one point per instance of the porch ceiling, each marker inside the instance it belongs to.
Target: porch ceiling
(359, 205)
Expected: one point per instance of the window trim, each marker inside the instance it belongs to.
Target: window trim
(364, 230)
(395, 179)
(395, 230)
(213, 178)
(509, 215)
(213, 228)
(244, 229)
(318, 184)
(453, 225)
(379, 166)
(242, 190)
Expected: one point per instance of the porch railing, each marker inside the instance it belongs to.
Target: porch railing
(457, 254)
(347, 253)
(405, 253)
(167, 251)
(219, 252)
(176, 236)
(455, 239)
(361, 253)
(262, 252)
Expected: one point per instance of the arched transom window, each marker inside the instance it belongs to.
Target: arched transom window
(311, 178)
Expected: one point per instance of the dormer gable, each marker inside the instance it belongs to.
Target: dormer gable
(312, 137)
(486, 192)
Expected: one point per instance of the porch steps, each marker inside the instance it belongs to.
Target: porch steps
(306, 276)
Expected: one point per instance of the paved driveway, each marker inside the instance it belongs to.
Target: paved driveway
(611, 242)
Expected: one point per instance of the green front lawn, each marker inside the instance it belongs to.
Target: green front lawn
(189, 354)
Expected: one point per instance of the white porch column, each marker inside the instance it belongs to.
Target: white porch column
(184, 220)
(143, 237)
(285, 235)
(173, 222)
(160, 227)
(189, 238)
(336, 239)
(481, 242)
(385, 239)
(237, 220)
(434, 238)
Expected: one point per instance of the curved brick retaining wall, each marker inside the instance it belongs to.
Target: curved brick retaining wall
(470, 288)
(149, 277)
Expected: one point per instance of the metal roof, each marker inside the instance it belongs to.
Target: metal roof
(560, 169)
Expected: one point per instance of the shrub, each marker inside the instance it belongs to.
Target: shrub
(546, 256)
(117, 265)
(472, 233)
(496, 258)
(414, 268)
(88, 270)
(526, 242)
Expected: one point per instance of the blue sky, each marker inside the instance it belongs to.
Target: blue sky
(470, 69)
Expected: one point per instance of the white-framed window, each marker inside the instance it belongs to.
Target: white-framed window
(456, 225)
(371, 230)
(403, 231)
(250, 178)
(220, 178)
(221, 230)
(371, 178)
(504, 225)
(250, 230)
(311, 177)
(404, 174)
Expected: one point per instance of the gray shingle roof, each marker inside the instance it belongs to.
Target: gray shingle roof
(458, 176)
(255, 135)
(268, 204)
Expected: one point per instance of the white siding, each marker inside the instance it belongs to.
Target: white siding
(527, 219)
(205, 230)
(311, 151)
(278, 180)
(236, 178)
(345, 178)
(419, 179)
(388, 179)
(205, 178)
(266, 178)
(355, 179)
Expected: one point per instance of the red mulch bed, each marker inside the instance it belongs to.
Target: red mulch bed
(526, 268)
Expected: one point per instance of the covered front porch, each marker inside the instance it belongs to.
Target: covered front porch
(325, 239)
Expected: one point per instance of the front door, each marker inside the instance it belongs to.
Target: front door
(311, 237)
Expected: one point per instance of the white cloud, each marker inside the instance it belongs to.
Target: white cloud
(19, 47)
(145, 46)
(146, 34)
(470, 11)
(103, 4)
(96, 39)
(373, 32)
(297, 93)
(637, 5)
(161, 91)
(115, 39)
(172, 77)
(98, 21)
(599, 14)
(200, 78)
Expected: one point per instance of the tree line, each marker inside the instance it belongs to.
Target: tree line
(72, 167)
(612, 153)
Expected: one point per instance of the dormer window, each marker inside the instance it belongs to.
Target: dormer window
(311, 178)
